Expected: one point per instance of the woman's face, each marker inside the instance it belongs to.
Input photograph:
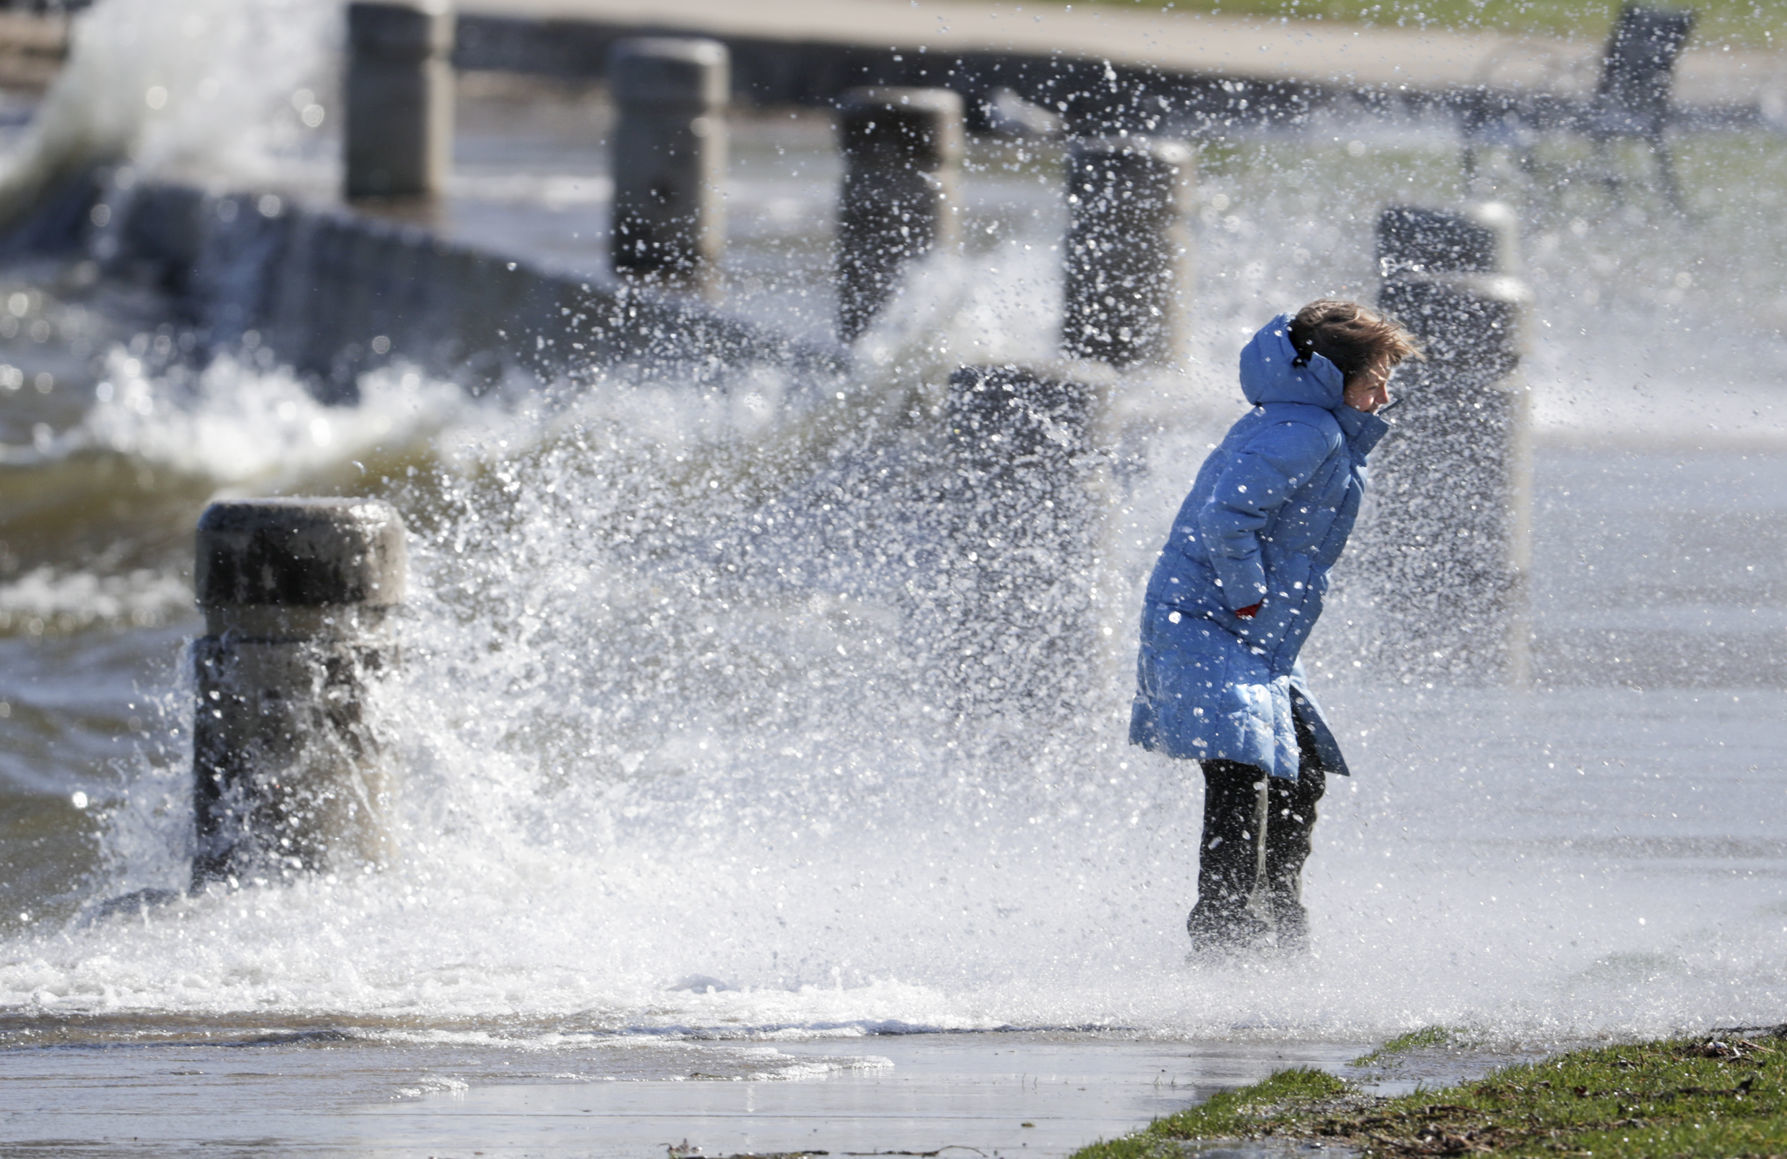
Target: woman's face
(1370, 388)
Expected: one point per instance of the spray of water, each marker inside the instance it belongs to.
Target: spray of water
(669, 713)
(231, 83)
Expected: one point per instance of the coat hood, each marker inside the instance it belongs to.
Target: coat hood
(1268, 373)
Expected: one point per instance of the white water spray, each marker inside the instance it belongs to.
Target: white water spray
(226, 84)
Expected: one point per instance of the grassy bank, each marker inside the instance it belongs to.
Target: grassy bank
(1723, 1095)
(1748, 23)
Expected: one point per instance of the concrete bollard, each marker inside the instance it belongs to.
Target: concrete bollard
(669, 159)
(1016, 622)
(902, 164)
(1128, 250)
(286, 771)
(397, 139)
(1449, 542)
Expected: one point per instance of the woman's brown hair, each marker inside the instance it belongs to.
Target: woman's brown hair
(1349, 335)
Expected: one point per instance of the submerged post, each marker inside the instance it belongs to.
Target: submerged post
(669, 158)
(286, 772)
(1128, 250)
(1018, 610)
(397, 140)
(902, 161)
(1449, 545)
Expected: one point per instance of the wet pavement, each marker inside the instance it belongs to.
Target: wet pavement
(1024, 1094)
(1032, 1093)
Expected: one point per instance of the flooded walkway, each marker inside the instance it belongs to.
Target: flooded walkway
(1034, 1094)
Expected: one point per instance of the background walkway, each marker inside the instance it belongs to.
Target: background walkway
(1301, 51)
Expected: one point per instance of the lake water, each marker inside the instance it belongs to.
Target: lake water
(682, 801)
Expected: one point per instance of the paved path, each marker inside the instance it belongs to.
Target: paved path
(1315, 52)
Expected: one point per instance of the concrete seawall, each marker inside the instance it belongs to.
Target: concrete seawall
(335, 291)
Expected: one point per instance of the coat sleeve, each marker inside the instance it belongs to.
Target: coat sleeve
(1264, 473)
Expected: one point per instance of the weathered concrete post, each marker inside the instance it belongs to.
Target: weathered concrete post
(1017, 613)
(1448, 544)
(286, 772)
(1128, 250)
(902, 163)
(1025, 440)
(669, 158)
(398, 134)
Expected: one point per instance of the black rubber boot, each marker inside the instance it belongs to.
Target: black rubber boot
(1226, 919)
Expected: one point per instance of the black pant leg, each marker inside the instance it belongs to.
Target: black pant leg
(1290, 829)
(1230, 856)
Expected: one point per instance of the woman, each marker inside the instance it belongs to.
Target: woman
(1234, 594)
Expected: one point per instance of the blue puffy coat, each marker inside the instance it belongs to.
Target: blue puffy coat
(1265, 520)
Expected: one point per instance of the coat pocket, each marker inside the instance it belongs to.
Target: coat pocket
(1293, 601)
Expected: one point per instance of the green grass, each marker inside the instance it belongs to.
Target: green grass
(1749, 23)
(1423, 1039)
(1228, 1115)
(1683, 1097)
